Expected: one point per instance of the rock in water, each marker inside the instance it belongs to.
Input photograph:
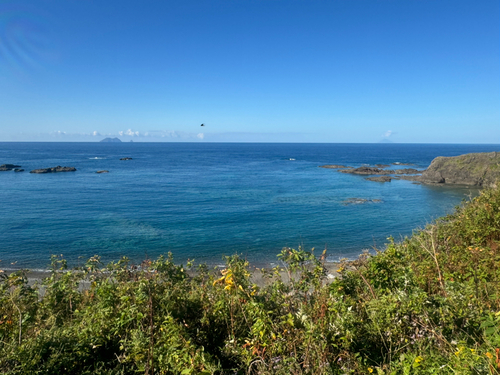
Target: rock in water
(333, 166)
(350, 201)
(54, 170)
(8, 167)
(367, 170)
(109, 140)
(126, 159)
(479, 169)
(371, 170)
(407, 171)
(103, 171)
(379, 179)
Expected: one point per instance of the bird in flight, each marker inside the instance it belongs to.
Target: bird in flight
(202, 125)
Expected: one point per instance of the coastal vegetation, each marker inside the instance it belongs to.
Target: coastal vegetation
(429, 304)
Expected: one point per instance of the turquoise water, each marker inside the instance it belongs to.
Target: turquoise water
(204, 200)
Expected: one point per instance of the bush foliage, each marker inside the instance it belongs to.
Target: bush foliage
(427, 305)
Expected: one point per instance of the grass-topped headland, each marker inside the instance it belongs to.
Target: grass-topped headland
(427, 305)
(476, 169)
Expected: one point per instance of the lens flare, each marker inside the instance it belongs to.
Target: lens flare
(25, 42)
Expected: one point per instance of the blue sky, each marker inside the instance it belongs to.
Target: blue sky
(418, 71)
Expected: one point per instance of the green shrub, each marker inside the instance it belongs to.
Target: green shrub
(427, 305)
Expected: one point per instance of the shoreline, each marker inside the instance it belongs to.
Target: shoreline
(257, 273)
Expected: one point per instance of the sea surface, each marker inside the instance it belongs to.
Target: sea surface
(205, 200)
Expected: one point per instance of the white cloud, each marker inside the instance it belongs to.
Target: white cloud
(388, 133)
(132, 133)
(94, 135)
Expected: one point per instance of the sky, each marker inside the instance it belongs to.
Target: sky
(403, 71)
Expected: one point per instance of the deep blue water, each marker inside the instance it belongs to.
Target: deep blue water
(203, 200)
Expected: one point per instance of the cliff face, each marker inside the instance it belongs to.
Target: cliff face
(481, 169)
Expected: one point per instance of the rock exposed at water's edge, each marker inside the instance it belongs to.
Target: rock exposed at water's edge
(113, 140)
(366, 170)
(378, 171)
(54, 169)
(407, 171)
(333, 166)
(126, 159)
(8, 167)
(103, 171)
(479, 169)
(379, 179)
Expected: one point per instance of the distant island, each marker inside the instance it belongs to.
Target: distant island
(111, 140)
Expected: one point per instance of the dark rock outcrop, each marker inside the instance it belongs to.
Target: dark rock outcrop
(54, 170)
(333, 166)
(479, 169)
(8, 167)
(378, 171)
(367, 170)
(407, 171)
(111, 140)
(103, 171)
(379, 179)
(126, 159)
(382, 165)
(18, 170)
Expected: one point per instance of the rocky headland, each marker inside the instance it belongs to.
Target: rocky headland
(480, 169)
(54, 170)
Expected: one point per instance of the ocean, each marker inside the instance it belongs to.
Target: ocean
(202, 201)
